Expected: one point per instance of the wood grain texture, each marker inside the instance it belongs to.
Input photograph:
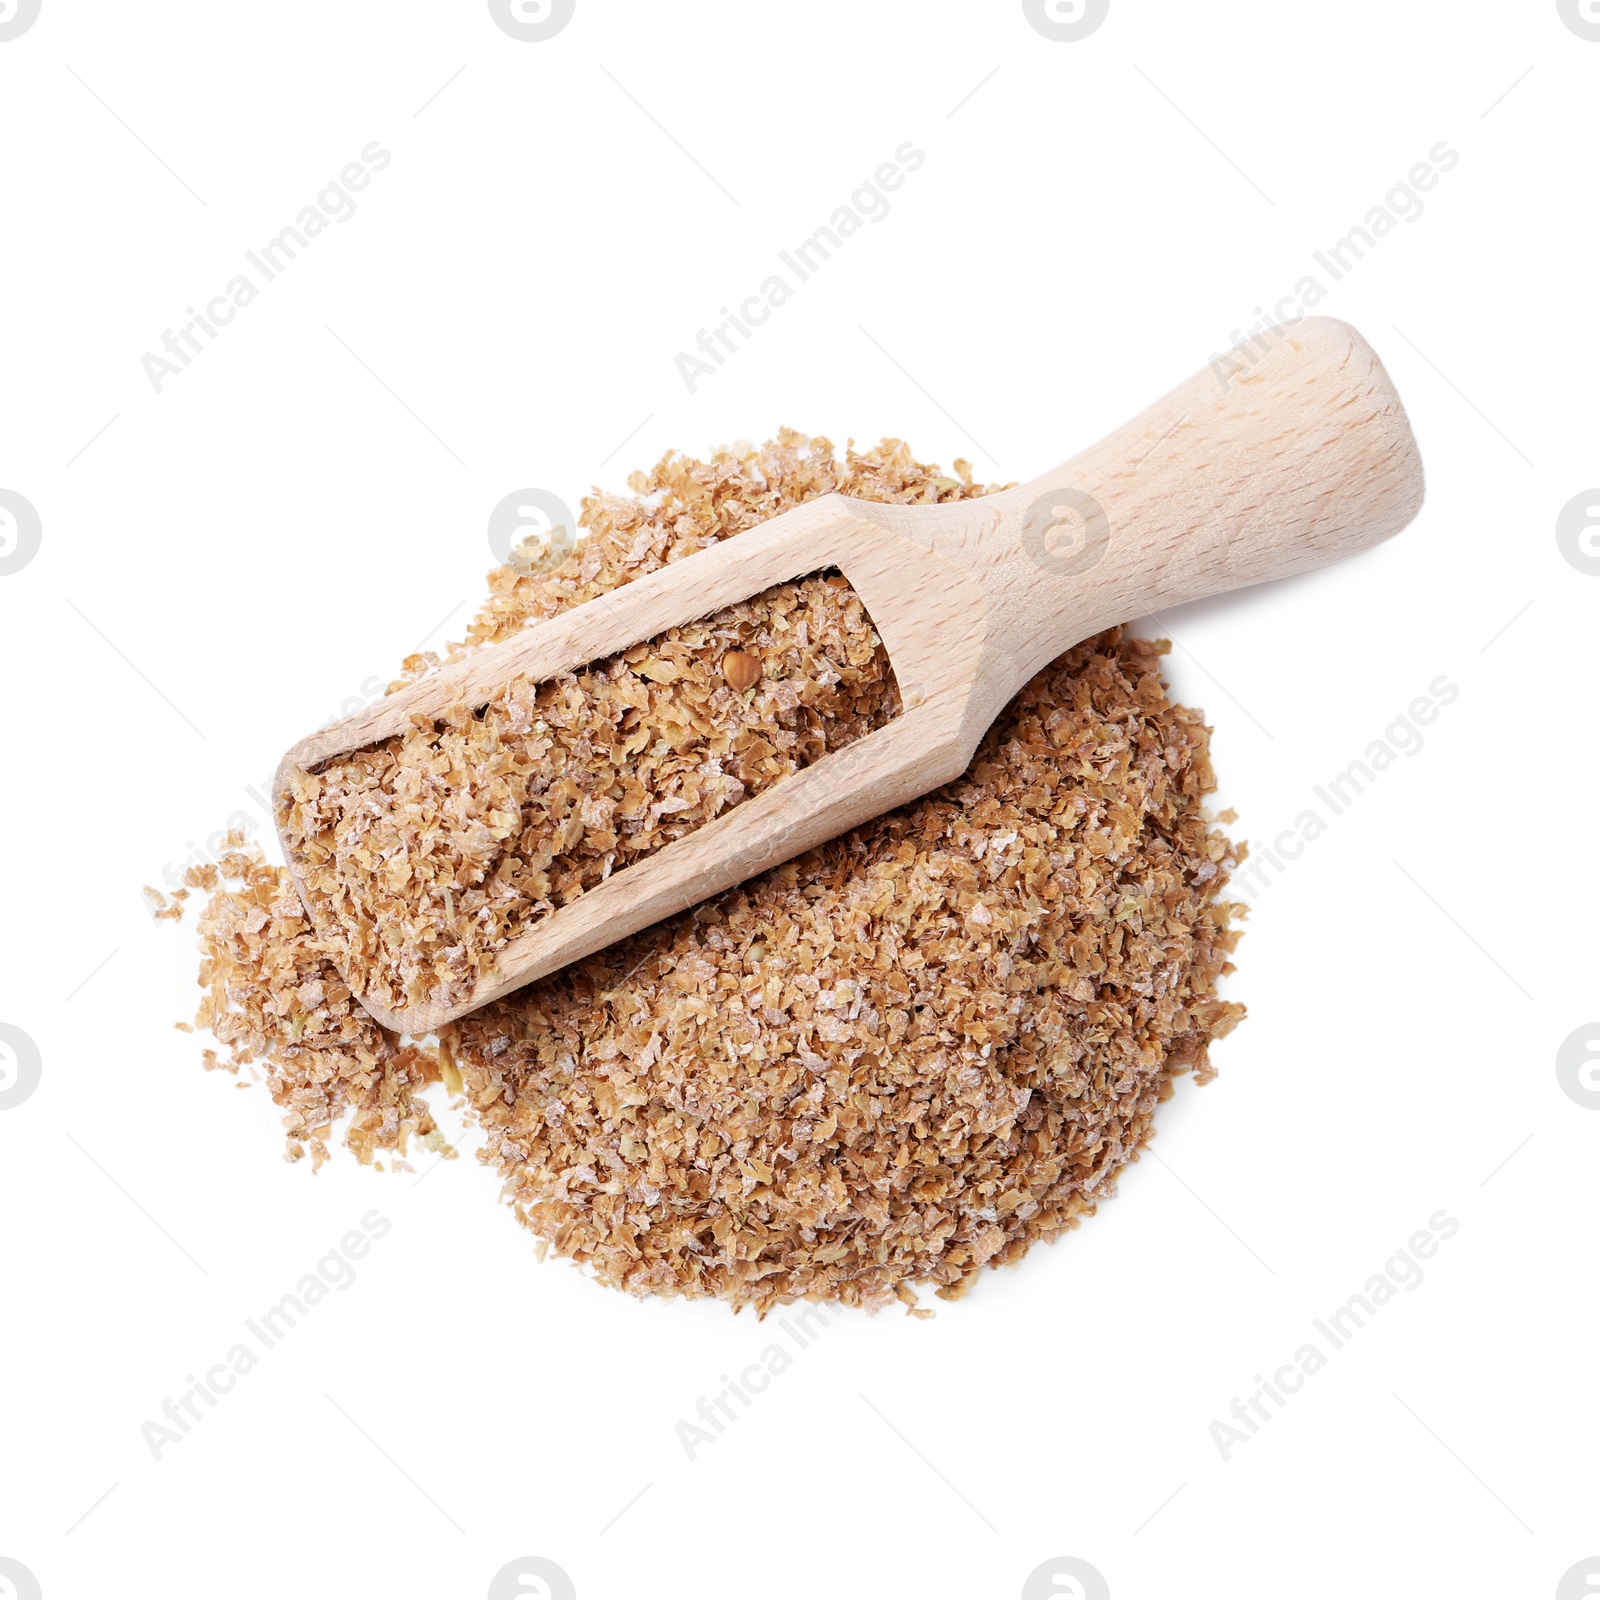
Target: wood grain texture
(1303, 459)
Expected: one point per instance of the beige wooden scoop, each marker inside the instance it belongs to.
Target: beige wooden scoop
(1292, 462)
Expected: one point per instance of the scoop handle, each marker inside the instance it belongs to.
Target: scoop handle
(1284, 456)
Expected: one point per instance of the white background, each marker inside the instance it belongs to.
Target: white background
(229, 559)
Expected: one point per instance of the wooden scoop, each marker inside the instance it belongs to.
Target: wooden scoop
(1302, 455)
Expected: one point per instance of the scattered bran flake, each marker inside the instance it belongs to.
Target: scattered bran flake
(159, 907)
(898, 1059)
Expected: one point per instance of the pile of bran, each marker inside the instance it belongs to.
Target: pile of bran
(900, 1058)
